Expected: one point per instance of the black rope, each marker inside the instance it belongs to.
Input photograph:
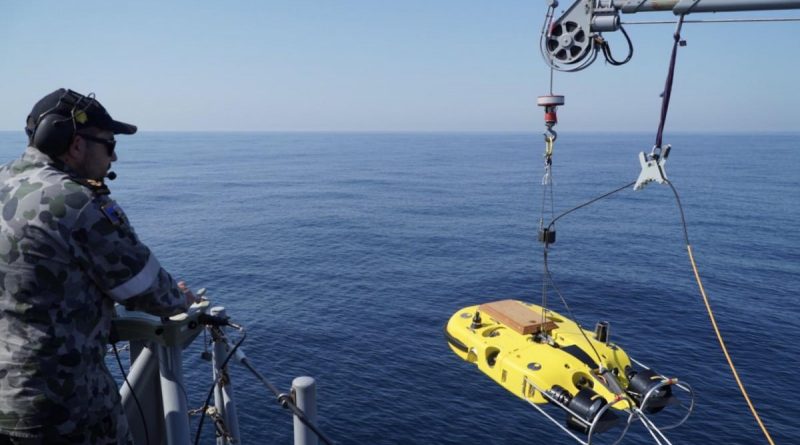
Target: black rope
(665, 97)
(683, 217)
(284, 399)
(133, 393)
(286, 402)
(549, 275)
(592, 201)
(569, 311)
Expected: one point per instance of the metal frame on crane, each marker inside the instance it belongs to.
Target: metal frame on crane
(570, 43)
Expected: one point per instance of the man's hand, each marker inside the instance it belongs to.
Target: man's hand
(190, 297)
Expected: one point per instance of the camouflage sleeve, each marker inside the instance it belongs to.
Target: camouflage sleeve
(121, 265)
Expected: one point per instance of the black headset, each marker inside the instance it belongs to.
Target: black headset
(56, 127)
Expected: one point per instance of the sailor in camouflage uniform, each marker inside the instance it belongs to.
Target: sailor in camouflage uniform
(67, 254)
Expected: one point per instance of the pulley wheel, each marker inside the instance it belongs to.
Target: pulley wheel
(568, 42)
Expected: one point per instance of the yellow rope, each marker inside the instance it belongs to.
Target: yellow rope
(548, 150)
(724, 349)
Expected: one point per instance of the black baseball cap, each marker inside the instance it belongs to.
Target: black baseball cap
(86, 111)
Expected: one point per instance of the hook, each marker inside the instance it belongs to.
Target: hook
(550, 135)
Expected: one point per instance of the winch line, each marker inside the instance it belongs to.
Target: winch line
(547, 185)
(714, 321)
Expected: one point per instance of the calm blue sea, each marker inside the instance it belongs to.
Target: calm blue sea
(344, 255)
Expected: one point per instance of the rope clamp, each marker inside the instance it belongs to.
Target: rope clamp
(652, 167)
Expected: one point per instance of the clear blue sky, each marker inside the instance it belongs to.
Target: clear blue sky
(371, 65)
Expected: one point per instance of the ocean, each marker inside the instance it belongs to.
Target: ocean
(344, 254)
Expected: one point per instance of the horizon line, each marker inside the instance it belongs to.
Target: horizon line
(525, 131)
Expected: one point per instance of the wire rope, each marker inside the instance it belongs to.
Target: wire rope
(133, 393)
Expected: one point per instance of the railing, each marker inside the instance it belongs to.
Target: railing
(153, 394)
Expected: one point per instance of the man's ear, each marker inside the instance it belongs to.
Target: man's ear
(75, 151)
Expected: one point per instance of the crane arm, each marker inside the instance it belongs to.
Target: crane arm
(570, 42)
(679, 7)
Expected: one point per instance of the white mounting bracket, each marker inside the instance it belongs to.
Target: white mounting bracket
(652, 167)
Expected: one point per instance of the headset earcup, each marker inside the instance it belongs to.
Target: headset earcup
(53, 134)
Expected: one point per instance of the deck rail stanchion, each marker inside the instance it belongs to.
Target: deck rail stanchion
(223, 393)
(304, 390)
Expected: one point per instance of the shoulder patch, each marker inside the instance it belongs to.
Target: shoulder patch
(113, 212)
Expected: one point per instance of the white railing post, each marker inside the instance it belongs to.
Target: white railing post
(304, 390)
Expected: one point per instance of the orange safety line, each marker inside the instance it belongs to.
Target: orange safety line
(724, 349)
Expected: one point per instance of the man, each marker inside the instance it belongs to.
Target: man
(67, 254)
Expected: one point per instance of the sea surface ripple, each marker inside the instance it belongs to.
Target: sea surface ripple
(344, 254)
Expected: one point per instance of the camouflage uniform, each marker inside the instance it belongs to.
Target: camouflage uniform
(67, 253)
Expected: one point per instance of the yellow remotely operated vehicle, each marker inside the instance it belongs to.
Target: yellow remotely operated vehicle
(545, 358)
(541, 356)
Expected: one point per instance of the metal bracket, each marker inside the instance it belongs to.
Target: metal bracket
(652, 167)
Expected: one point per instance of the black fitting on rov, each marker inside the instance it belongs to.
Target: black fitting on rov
(476, 321)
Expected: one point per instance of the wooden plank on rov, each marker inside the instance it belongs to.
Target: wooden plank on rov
(517, 316)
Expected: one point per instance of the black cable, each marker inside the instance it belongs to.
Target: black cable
(549, 275)
(569, 311)
(213, 385)
(680, 208)
(286, 402)
(607, 50)
(552, 223)
(133, 393)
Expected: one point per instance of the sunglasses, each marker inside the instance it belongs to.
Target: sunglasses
(108, 143)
